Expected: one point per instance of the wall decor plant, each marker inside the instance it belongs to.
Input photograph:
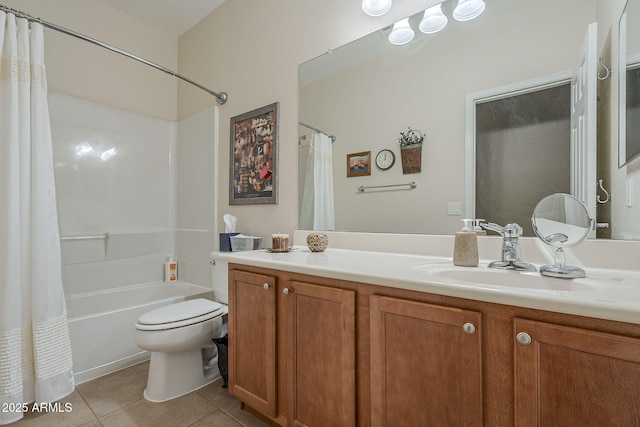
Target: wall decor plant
(411, 150)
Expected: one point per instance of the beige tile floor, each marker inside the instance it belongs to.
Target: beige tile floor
(116, 400)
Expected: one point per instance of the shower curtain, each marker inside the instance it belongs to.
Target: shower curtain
(35, 351)
(317, 211)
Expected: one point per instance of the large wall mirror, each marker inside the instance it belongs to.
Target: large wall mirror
(629, 74)
(366, 92)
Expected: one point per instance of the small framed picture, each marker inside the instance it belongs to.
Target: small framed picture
(359, 164)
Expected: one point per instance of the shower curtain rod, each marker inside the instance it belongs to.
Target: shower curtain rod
(221, 97)
(331, 137)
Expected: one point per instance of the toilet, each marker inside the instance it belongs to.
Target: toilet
(179, 337)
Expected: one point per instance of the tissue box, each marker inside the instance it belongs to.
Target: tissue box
(225, 242)
(245, 243)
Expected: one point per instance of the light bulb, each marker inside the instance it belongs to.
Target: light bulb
(433, 20)
(466, 10)
(376, 7)
(401, 33)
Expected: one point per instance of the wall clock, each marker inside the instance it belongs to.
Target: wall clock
(385, 159)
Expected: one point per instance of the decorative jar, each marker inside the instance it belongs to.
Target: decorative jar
(317, 242)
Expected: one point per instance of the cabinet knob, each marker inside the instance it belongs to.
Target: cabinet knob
(265, 286)
(523, 338)
(285, 291)
(469, 328)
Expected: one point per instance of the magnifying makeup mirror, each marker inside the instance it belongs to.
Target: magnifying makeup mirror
(561, 220)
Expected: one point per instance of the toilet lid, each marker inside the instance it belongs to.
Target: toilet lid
(181, 311)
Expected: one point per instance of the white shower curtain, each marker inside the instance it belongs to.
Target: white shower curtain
(35, 351)
(317, 211)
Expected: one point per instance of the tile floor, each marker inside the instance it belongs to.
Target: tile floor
(116, 400)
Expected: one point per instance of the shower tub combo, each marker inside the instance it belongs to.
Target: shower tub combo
(116, 192)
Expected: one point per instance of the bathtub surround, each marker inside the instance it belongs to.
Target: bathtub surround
(35, 350)
(114, 174)
(118, 197)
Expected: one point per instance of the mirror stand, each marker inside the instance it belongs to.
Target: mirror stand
(561, 269)
(561, 220)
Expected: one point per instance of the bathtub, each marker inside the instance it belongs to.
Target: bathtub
(102, 324)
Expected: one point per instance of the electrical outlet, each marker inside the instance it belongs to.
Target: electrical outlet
(454, 208)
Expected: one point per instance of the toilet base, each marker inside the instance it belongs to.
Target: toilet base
(175, 374)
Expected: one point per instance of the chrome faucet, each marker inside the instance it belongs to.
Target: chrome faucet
(510, 247)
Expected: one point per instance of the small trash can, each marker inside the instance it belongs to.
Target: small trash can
(222, 344)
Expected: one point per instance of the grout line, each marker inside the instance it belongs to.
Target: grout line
(234, 418)
(88, 406)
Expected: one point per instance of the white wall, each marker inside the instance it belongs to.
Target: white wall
(81, 69)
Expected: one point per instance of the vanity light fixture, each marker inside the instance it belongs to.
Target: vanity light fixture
(376, 7)
(433, 20)
(401, 33)
(466, 10)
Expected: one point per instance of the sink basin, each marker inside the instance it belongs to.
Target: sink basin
(509, 278)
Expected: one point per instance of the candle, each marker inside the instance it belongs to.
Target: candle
(280, 242)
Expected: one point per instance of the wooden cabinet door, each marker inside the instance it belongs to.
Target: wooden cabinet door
(322, 351)
(426, 364)
(575, 377)
(252, 340)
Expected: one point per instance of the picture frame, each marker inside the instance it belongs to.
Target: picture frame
(253, 163)
(359, 164)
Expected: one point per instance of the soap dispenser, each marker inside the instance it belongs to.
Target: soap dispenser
(476, 227)
(465, 246)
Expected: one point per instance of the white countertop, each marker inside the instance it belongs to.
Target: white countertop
(605, 294)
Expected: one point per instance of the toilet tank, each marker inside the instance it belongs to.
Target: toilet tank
(219, 278)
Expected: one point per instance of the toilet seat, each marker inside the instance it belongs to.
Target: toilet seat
(180, 314)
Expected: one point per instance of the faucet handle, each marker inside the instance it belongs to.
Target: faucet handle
(512, 230)
(491, 226)
(509, 230)
(510, 247)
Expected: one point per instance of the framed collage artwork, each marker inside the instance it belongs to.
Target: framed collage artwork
(253, 164)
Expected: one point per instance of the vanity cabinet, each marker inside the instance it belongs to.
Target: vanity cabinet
(314, 351)
(292, 349)
(320, 347)
(426, 364)
(252, 340)
(574, 376)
